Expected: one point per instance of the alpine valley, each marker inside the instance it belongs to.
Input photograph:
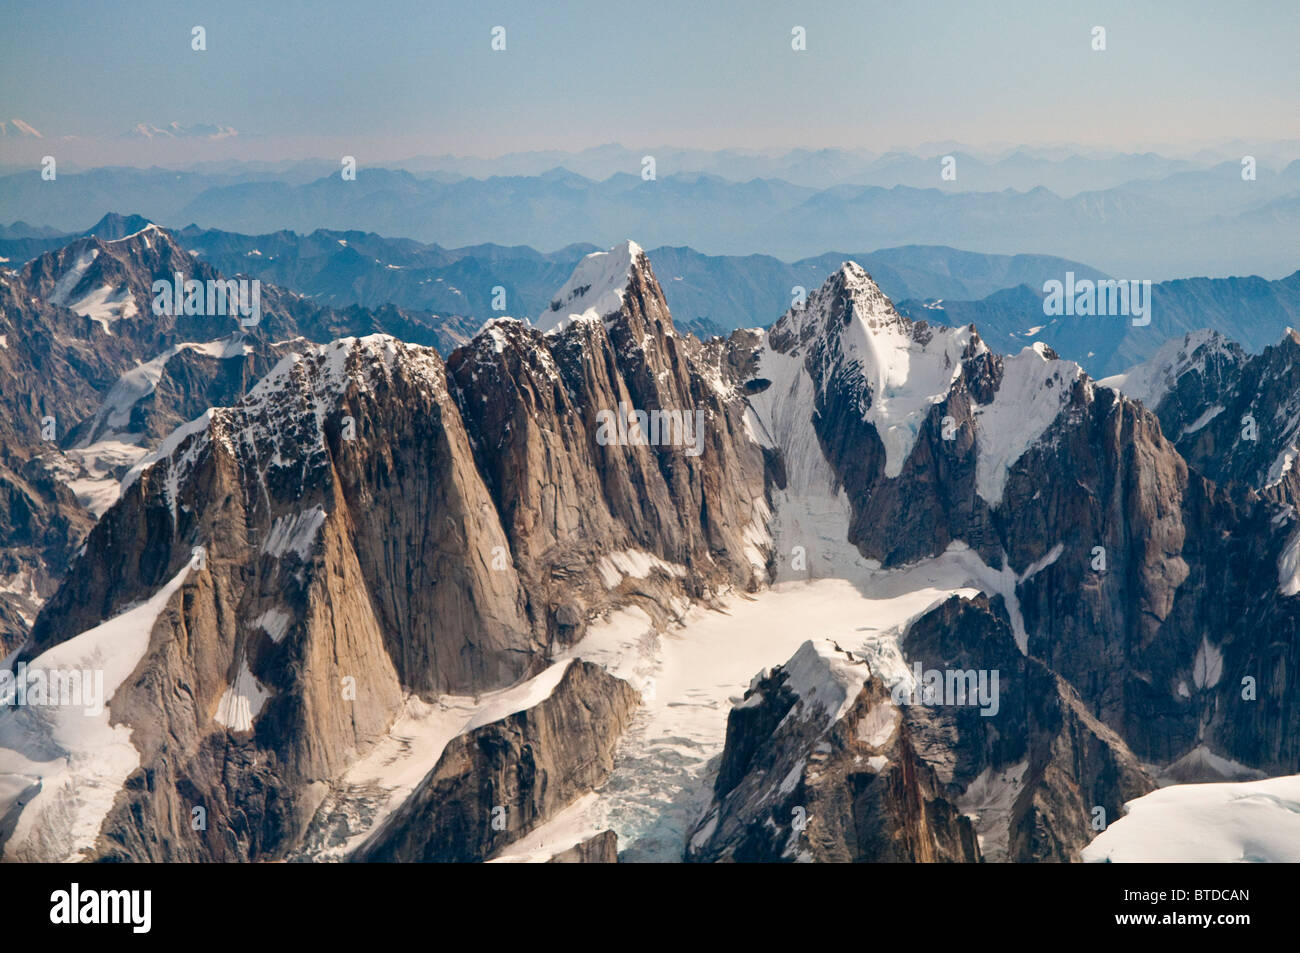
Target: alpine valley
(365, 584)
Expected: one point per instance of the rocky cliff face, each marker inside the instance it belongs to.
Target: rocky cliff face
(907, 770)
(332, 602)
(1034, 792)
(96, 376)
(496, 782)
(601, 848)
(820, 768)
(362, 527)
(545, 412)
(1234, 417)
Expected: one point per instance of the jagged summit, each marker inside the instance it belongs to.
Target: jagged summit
(268, 418)
(851, 338)
(109, 279)
(596, 287)
(1193, 353)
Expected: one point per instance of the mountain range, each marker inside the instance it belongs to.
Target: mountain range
(851, 587)
(1226, 224)
(460, 289)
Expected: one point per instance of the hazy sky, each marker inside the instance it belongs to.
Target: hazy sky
(389, 80)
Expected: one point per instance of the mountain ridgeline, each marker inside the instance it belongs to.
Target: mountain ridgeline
(379, 605)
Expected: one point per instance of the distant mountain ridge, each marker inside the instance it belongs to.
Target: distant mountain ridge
(716, 294)
(709, 294)
(1225, 224)
(1250, 310)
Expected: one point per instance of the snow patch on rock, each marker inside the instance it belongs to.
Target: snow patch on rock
(295, 533)
(1035, 388)
(242, 702)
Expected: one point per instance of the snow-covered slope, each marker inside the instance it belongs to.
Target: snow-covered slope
(1149, 381)
(594, 290)
(67, 762)
(1248, 821)
(1035, 388)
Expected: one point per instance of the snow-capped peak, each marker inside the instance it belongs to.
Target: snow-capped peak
(848, 327)
(290, 404)
(849, 288)
(594, 290)
(1149, 381)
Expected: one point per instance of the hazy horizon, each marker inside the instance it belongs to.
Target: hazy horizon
(419, 80)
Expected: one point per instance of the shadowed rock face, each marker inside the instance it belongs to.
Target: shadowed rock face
(799, 782)
(1061, 762)
(495, 783)
(898, 777)
(1234, 417)
(367, 528)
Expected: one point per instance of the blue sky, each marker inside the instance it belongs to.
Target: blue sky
(389, 80)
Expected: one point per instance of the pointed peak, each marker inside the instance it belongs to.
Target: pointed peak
(848, 295)
(898, 368)
(851, 271)
(854, 280)
(126, 239)
(115, 227)
(595, 289)
(497, 333)
(1043, 350)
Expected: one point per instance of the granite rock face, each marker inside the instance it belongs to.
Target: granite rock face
(819, 767)
(362, 527)
(570, 490)
(1012, 770)
(288, 571)
(601, 848)
(496, 782)
(98, 370)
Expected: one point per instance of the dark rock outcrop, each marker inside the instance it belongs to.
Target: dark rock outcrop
(496, 782)
(819, 767)
(600, 848)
